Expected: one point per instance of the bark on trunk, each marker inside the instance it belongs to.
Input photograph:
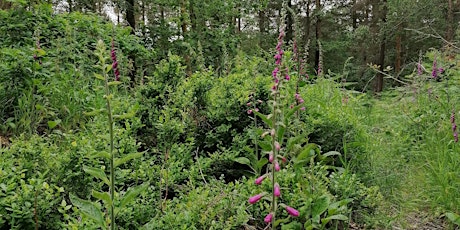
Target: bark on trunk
(307, 22)
(130, 17)
(354, 17)
(450, 22)
(289, 23)
(381, 60)
(398, 49)
(318, 34)
(262, 28)
(183, 13)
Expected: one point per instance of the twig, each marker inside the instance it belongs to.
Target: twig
(199, 166)
(436, 35)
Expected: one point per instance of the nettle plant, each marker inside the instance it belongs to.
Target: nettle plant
(277, 123)
(104, 217)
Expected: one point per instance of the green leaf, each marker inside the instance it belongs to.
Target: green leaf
(108, 67)
(104, 196)
(120, 161)
(265, 145)
(279, 221)
(98, 76)
(308, 225)
(455, 218)
(334, 207)
(319, 207)
(40, 52)
(280, 133)
(243, 160)
(102, 154)
(263, 161)
(98, 173)
(265, 119)
(94, 112)
(90, 209)
(114, 83)
(124, 116)
(294, 225)
(291, 112)
(326, 220)
(131, 194)
(52, 124)
(338, 217)
(292, 141)
(306, 153)
(331, 153)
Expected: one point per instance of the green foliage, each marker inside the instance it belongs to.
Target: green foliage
(29, 185)
(185, 148)
(58, 85)
(216, 205)
(111, 203)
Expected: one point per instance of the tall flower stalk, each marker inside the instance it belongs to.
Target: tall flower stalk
(454, 125)
(110, 119)
(105, 219)
(280, 75)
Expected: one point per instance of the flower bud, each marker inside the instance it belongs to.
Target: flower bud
(276, 190)
(268, 218)
(260, 179)
(277, 146)
(255, 198)
(292, 211)
(277, 166)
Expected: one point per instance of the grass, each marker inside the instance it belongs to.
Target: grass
(410, 154)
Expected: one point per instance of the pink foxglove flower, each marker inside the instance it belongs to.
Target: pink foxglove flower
(116, 72)
(250, 111)
(277, 146)
(259, 180)
(277, 166)
(268, 218)
(270, 157)
(292, 211)
(255, 198)
(303, 108)
(276, 190)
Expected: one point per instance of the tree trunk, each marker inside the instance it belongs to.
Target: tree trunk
(183, 16)
(262, 28)
(192, 15)
(130, 17)
(381, 60)
(450, 22)
(398, 49)
(354, 17)
(307, 22)
(318, 34)
(289, 22)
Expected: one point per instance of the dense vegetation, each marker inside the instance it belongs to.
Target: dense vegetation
(184, 120)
